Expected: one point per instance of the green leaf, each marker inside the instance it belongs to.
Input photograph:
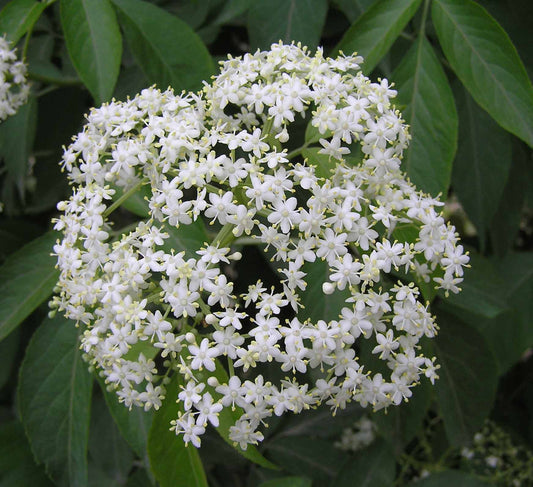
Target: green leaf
(481, 289)
(372, 467)
(18, 17)
(166, 49)
(317, 305)
(228, 417)
(27, 278)
(325, 165)
(110, 457)
(287, 482)
(468, 377)
(17, 467)
(186, 237)
(270, 21)
(54, 396)
(17, 134)
(481, 170)
(353, 8)
(372, 34)
(94, 44)
(485, 60)
(173, 463)
(448, 478)
(230, 10)
(506, 222)
(400, 424)
(308, 457)
(133, 424)
(8, 352)
(430, 111)
(138, 479)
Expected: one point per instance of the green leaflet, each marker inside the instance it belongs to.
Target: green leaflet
(449, 477)
(372, 34)
(481, 170)
(270, 21)
(372, 467)
(54, 396)
(317, 305)
(173, 463)
(19, 16)
(485, 60)
(17, 466)
(468, 377)
(430, 111)
(94, 44)
(166, 49)
(17, 135)
(27, 278)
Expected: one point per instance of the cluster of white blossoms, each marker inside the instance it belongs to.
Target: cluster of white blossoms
(359, 436)
(14, 88)
(230, 157)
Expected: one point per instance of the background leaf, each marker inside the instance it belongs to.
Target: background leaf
(54, 395)
(287, 482)
(17, 134)
(173, 463)
(372, 34)
(94, 44)
(19, 16)
(372, 467)
(309, 457)
(430, 111)
(17, 467)
(166, 49)
(448, 478)
(468, 377)
(485, 60)
(27, 278)
(134, 425)
(481, 169)
(110, 457)
(320, 306)
(270, 21)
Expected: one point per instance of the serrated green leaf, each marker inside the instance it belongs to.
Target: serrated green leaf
(317, 305)
(270, 21)
(188, 238)
(468, 377)
(18, 17)
(400, 424)
(227, 417)
(287, 482)
(27, 278)
(173, 463)
(110, 457)
(480, 170)
(323, 163)
(430, 111)
(485, 60)
(372, 34)
(307, 456)
(166, 49)
(17, 466)
(54, 396)
(372, 467)
(17, 134)
(94, 44)
(506, 222)
(448, 478)
(133, 424)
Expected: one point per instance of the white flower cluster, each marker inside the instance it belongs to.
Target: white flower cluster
(230, 156)
(14, 88)
(359, 436)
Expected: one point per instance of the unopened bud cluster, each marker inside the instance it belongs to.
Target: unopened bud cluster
(14, 88)
(229, 157)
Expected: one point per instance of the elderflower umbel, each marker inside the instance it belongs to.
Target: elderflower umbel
(226, 158)
(14, 88)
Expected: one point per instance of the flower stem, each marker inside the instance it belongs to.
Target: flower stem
(123, 198)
